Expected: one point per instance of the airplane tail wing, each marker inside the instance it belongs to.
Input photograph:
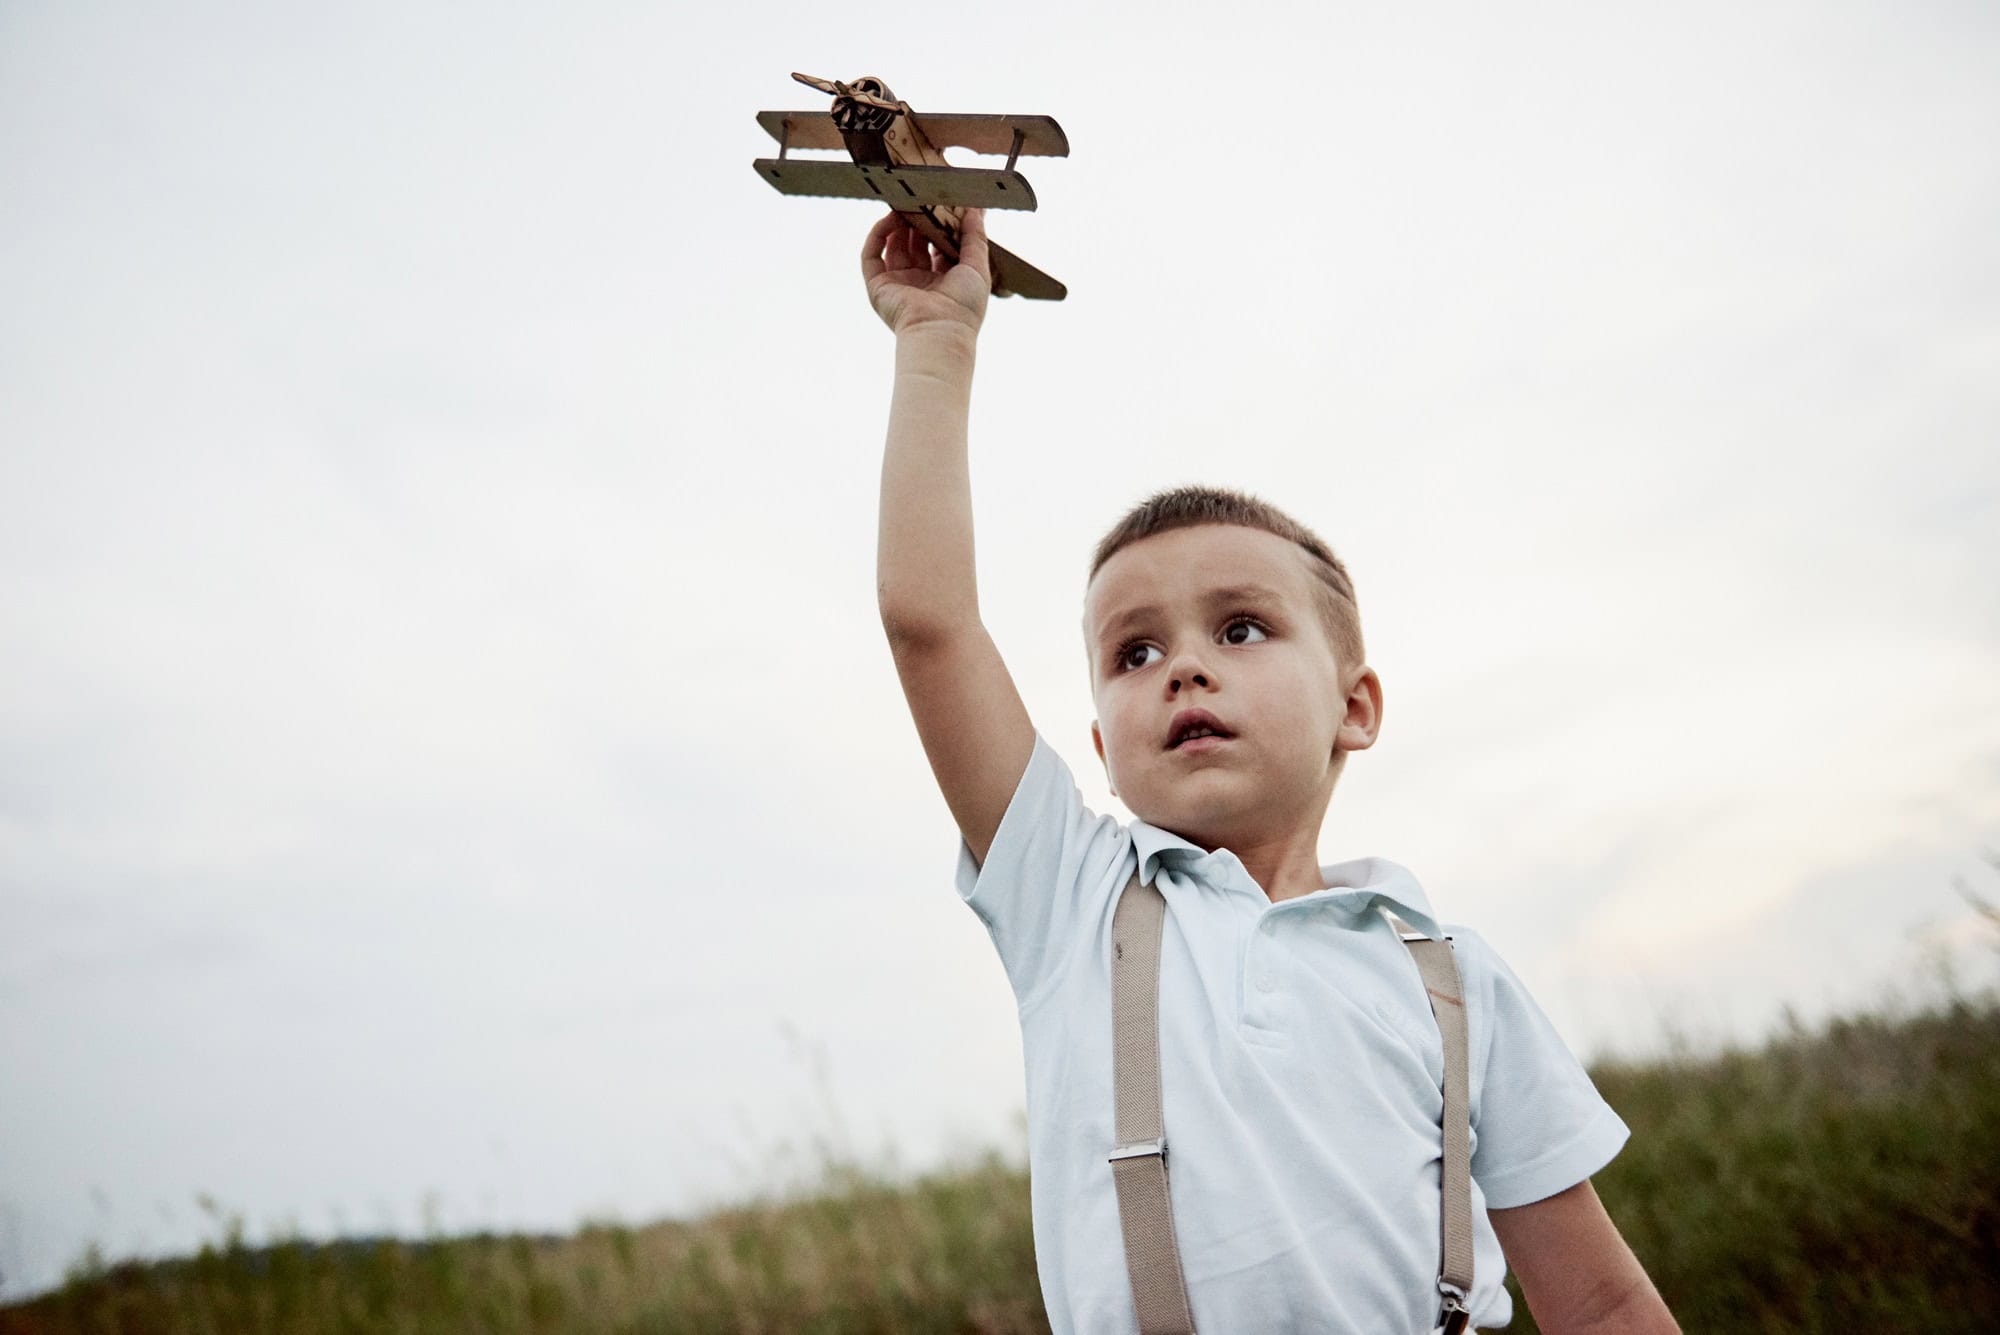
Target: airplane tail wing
(1015, 277)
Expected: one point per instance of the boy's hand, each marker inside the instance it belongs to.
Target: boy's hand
(910, 285)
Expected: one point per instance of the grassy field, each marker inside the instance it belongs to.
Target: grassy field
(1846, 1179)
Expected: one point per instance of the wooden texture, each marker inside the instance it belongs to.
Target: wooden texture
(904, 188)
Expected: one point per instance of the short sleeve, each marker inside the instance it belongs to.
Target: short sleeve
(1051, 872)
(1541, 1125)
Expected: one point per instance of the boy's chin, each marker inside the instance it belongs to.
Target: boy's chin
(1198, 818)
(1217, 810)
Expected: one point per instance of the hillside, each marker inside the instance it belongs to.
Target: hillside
(1842, 1179)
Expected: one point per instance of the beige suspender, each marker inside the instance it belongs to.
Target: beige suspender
(1439, 969)
(1139, 1163)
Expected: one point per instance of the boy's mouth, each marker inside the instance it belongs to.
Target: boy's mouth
(1192, 724)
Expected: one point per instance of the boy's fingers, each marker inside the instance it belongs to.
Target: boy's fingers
(875, 248)
(912, 252)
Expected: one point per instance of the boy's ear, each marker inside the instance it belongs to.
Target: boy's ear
(1097, 741)
(1362, 722)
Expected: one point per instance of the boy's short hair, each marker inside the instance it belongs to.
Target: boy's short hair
(1185, 507)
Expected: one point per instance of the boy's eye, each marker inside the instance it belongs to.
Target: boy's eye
(1133, 656)
(1242, 631)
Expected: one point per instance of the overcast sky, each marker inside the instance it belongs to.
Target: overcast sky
(447, 749)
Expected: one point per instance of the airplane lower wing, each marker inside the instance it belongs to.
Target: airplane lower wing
(905, 188)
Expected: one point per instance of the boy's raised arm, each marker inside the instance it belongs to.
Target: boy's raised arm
(969, 715)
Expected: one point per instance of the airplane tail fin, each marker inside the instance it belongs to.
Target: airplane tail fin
(1015, 277)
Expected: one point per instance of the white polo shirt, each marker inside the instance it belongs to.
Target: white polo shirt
(1301, 1071)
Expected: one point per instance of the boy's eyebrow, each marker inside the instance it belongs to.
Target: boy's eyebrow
(1235, 593)
(1120, 620)
(1243, 593)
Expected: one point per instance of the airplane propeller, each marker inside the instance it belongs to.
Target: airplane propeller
(839, 89)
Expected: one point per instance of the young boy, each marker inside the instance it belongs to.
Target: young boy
(1300, 1065)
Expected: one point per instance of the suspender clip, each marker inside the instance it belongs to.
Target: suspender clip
(1140, 1149)
(1453, 1314)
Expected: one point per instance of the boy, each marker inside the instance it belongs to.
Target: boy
(1299, 1061)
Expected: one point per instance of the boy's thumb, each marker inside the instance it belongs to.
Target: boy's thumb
(972, 237)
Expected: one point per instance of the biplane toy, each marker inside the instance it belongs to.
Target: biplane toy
(898, 160)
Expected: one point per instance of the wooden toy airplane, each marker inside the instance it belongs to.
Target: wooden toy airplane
(897, 160)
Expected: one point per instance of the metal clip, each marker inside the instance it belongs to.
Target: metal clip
(1453, 1314)
(1140, 1149)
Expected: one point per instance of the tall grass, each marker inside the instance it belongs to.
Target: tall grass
(946, 1253)
(1845, 1179)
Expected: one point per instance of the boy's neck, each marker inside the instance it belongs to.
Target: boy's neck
(1286, 868)
(1277, 843)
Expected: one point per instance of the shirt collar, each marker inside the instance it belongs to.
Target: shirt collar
(1354, 890)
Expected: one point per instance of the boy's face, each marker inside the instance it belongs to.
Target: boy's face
(1219, 626)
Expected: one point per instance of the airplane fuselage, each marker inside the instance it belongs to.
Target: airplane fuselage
(877, 137)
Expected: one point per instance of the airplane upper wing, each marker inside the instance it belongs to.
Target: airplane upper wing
(1040, 135)
(802, 129)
